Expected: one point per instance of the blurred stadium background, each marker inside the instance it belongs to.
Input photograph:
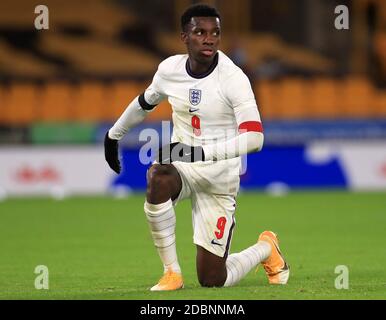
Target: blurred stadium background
(321, 91)
(322, 97)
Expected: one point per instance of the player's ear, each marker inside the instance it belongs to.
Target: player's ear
(184, 37)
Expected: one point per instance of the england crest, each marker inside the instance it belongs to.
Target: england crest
(194, 96)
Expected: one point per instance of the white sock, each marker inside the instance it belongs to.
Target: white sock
(162, 222)
(239, 264)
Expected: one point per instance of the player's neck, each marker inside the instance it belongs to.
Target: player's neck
(198, 69)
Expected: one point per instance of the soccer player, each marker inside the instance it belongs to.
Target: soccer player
(215, 121)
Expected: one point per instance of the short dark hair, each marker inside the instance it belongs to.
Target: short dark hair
(198, 10)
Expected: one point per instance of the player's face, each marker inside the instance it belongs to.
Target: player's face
(202, 38)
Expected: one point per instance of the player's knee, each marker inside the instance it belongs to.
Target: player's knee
(211, 279)
(157, 174)
(158, 178)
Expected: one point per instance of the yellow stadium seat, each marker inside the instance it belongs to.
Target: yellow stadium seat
(380, 104)
(358, 98)
(56, 100)
(292, 99)
(90, 102)
(266, 93)
(122, 93)
(2, 105)
(19, 105)
(324, 98)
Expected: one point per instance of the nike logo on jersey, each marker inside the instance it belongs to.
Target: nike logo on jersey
(193, 109)
(216, 243)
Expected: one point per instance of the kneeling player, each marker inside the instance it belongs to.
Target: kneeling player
(215, 120)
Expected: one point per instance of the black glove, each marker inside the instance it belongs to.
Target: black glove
(111, 153)
(177, 151)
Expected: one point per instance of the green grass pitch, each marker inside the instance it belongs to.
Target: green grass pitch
(100, 248)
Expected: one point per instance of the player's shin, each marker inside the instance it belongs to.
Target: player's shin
(162, 221)
(239, 264)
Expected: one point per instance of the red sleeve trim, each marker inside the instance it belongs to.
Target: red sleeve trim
(251, 126)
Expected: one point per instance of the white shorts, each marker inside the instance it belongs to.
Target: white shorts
(212, 188)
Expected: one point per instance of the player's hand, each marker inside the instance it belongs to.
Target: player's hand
(111, 153)
(177, 151)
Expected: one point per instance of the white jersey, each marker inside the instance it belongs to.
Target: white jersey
(206, 109)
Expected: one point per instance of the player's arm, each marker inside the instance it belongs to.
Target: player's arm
(250, 139)
(134, 114)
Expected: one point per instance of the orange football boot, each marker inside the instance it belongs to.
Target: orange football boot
(275, 266)
(170, 281)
